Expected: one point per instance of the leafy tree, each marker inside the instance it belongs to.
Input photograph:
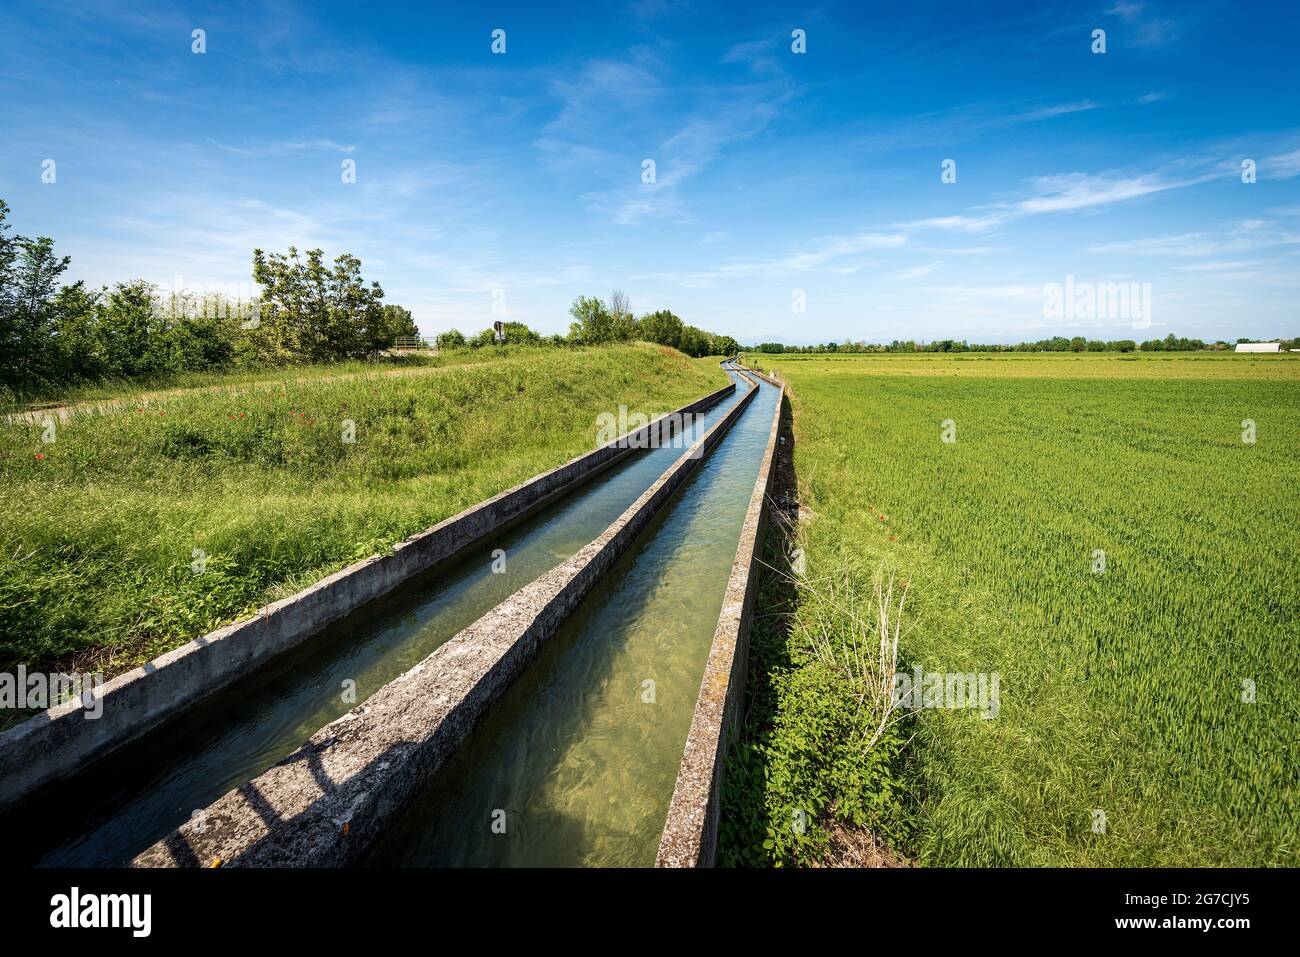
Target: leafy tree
(593, 323)
(451, 339)
(661, 327)
(314, 313)
(398, 322)
(29, 281)
(487, 337)
(622, 321)
(77, 334)
(517, 333)
(129, 331)
(201, 342)
(694, 342)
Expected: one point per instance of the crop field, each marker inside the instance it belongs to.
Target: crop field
(1116, 538)
(104, 516)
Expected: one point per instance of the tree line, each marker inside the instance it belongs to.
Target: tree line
(597, 322)
(55, 334)
(1170, 343)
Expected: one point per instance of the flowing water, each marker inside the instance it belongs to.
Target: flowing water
(120, 807)
(576, 764)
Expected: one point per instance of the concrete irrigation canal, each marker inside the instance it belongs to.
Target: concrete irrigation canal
(547, 681)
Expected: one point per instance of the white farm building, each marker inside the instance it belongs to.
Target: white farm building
(1259, 347)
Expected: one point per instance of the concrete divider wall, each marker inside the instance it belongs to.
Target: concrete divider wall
(331, 800)
(690, 834)
(60, 740)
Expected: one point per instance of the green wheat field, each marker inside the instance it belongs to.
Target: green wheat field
(1115, 535)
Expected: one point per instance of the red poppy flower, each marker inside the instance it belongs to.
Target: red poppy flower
(40, 455)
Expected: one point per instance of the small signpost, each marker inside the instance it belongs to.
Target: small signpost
(500, 329)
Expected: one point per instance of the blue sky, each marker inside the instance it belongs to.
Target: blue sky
(516, 178)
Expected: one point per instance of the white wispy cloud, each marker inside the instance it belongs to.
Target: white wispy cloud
(966, 223)
(1047, 112)
(1071, 191)
(1282, 165)
(917, 271)
(1243, 237)
(837, 254)
(322, 145)
(817, 253)
(1144, 27)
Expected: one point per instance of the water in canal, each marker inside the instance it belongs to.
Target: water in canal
(114, 810)
(575, 765)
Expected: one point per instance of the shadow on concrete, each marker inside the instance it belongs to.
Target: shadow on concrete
(742, 828)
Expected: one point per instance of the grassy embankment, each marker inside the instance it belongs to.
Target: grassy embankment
(113, 392)
(98, 530)
(1125, 691)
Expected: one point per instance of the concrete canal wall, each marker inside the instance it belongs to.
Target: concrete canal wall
(690, 834)
(329, 802)
(61, 740)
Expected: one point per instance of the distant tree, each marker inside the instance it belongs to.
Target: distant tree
(694, 342)
(202, 341)
(29, 282)
(130, 331)
(314, 313)
(660, 327)
(515, 333)
(724, 346)
(619, 304)
(451, 339)
(398, 322)
(593, 323)
(623, 323)
(77, 334)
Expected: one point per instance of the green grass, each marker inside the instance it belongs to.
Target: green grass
(117, 391)
(1121, 691)
(98, 536)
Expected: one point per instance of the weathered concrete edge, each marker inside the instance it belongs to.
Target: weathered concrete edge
(60, 741)
(330, 801)
(690, 834)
